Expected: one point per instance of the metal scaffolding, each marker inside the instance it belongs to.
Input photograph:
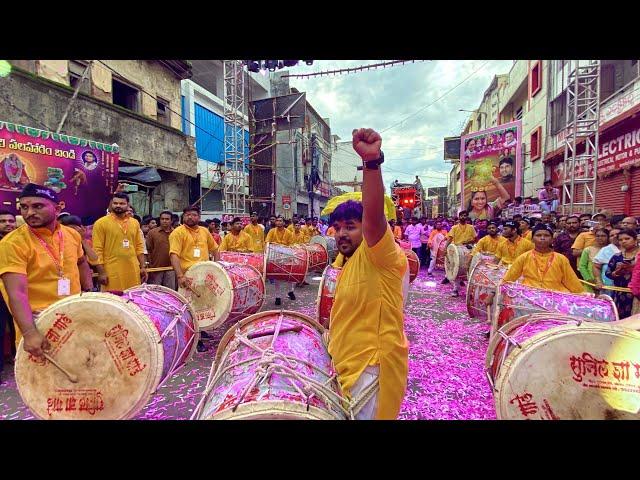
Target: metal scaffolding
(235, 188)
(583, 117)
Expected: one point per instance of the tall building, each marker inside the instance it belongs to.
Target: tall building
(132, 103)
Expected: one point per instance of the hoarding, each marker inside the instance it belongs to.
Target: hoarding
(82, 172)
(491, 169)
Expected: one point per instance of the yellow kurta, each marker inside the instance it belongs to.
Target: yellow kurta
(298, 237)
(461, 234)
(366, 326)
(508, 251)
(284, 237)
(184, 240)
(236, 243)
(121, 264)
(528, 235)
(487, 244)
(256, 232)
(549, 271)
(308, 232)
(584, 240)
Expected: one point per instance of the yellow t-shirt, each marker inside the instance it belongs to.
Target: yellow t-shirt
(549, 271)
(121, 264)
(257, 237)
(236, 243)
(584, 240)
(283, 238)
(508, 251)
(488, 244)
(21, 252)
(366, 326)
(461, 234)
(184, 240)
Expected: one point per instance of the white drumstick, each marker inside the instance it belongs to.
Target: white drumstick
(73, 378)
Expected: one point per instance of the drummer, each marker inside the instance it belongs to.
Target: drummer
(542, 267)
(256, 232)
(40, 263)
(190, 244)
(281, 236)
(367, 340)
(513, 246)
(298, 236)
(489, 243)
(462, 233)
(237, 240)
(437, 230)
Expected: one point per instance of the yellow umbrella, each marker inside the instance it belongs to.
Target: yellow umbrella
(389, 206)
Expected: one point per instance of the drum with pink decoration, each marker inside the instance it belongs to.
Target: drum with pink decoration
(513, 300)
(285, 263)
(481, 287)
(318, 256)
(326, 294)
(273, 365)
(222, 291)
(329, 243)
(109, 354)
(256, 260)
(440, 247)
(559, 367)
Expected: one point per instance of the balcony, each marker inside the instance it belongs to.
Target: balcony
(620, 102)
(518, 75)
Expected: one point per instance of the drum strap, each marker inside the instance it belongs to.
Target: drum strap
(358, 403)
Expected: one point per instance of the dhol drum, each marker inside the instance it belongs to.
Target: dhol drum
(287, 264)
(118, 349)
(440, 247)
(329, 243)
(481, 257)
(559, 367)
(404, 244)
(273, 366)
(414, 264)
(513, 300)
(256, 260)
(455, 265)
(222, 291)
(481, 287)
(326, 293)
(318, 256)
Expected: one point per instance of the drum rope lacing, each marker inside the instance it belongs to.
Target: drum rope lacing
(267, 366)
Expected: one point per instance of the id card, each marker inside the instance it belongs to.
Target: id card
(196, 252)
(125, 243)
(64, 287)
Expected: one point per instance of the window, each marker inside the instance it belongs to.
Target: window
(607, 80)
(76, 69)
(163, 112)
(535, 78)
(519, 114)
(536, 150)
(558, 114)
(125, 95)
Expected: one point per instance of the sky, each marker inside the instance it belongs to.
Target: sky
(393, 100)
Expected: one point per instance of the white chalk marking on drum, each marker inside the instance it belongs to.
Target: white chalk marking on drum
(73, 378)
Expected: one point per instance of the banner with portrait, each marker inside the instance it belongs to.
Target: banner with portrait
(491, 169)
(83, 173)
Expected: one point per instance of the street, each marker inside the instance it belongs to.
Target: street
(446, 361)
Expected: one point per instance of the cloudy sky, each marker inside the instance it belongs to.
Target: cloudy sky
(395, 101)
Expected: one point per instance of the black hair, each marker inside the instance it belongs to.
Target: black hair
(349, 210)
(236, 219)
(6, 212)
(121, 195)
(548, 182)
(463, 211)
(628, 231)
(137, 217)
(191, 208)
(508, 160)
(573, 216)
(165, 212)
(68, 220)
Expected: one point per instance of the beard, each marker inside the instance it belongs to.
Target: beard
(118, 210)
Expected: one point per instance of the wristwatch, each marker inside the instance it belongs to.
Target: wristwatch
(373, 164)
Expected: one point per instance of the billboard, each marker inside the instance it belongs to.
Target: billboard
(491, 169)
(82, 172)
(452, 148)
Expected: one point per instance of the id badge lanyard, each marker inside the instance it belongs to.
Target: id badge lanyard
(64, 284)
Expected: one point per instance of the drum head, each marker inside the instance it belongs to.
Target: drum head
(211, 296)
(587, 371)
(108, 343)
(452, 263)
(320, 240)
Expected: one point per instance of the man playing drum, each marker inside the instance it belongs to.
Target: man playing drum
(367, 340)
(256, 232)
(237, 240)
(513, 246)
(158, 247)
(281, 236)
(542, 267)
(437, 230)
(41, 262)
(489, 243)
(461, 234)
(190, 244)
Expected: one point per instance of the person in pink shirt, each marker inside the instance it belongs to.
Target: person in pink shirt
(634, 284)
(549, 197)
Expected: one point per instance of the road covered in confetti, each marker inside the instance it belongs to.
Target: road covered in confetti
(446, 362)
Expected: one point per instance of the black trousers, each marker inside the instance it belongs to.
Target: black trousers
(6, 326)
(425, 255)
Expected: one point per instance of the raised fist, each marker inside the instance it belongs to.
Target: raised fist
(367, 143)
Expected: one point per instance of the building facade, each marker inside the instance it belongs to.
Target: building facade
(133, 103)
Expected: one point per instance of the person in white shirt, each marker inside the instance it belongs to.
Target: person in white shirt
(412, 234)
